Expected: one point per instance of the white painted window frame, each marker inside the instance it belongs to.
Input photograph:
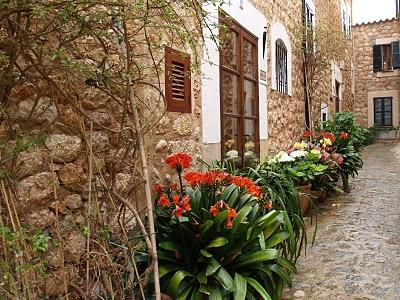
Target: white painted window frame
(278, 31)
(254, 21)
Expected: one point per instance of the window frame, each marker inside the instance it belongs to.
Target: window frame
(171, 56)
(281, 63)
(383, 111)
(243, 34)
(378, 56)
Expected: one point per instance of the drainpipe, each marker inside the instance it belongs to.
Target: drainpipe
(306, 93)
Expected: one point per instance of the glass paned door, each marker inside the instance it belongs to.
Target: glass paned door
(239, 94)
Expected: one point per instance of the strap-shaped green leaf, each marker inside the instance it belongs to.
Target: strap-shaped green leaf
(206, 227)
(225, 279)
(174, 283)
(258, 287)
(185, 294)
(277, 238)
(241, 287)
(215, 293)
(284, 262)
(281, 273)
(212, 267)
(217, 242)
(167, 268)
(170, 246)
(249, 259)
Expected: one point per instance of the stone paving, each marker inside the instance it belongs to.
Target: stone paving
(356, 254)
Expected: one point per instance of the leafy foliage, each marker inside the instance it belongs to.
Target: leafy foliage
(226, 244)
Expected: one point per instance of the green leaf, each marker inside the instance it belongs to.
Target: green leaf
(206, 253)
(202, 278)
(241, 287)
(184, 295)
(258, 287)
(204, 289)
(284, 262)
(220, 217)
(249, 259)
(217, 242)
(215, 293)
(167, 268)
(174, 283)
(212, 267)
(225, 279)
(277, 238)
(281, 273)
(206, 226)
(227, 193)
(241, 216)
(170, 246)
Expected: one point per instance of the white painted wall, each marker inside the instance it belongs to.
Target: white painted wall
(254, 21)
(278, 31)
(324, 110)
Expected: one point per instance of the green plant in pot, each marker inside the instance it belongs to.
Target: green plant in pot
(219, 238)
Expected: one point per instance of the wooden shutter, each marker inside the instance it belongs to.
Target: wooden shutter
(377, 58)
(396, 55)
(177, 81)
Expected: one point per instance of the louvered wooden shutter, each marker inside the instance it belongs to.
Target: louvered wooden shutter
(396, 55)
(177, 81)
(377, 57)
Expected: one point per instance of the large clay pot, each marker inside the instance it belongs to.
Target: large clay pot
(304, 197)
(318, 195)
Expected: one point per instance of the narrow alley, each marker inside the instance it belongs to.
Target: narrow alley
(357, 250)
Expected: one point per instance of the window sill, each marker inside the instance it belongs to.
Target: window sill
(389, 73)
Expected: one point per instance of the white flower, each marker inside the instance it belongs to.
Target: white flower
(298, 153)
(284, 157)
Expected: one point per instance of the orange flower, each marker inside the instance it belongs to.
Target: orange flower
(254, 190)
(344, 135)
(268, 205)
(185, 203)
(214, 210)
(242, 182)
(198, 178)
(163, 201)
(158, 188)
(229, 223)
(178, 212)
(232, 212)
(176, 198)
(179, 161)
(173, 186)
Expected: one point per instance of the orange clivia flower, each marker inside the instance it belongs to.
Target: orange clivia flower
(268, 205)
(199, 178)
(344, 135)
(242, 182)
(229, 223)
(173, 186)
(214, 211)
(179, 161)
(232, 212)
(176, 198)
(163, 201)
(158, 188)
(185, 203)
(178, 211)
(255, 191)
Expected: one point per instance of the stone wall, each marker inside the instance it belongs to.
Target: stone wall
(367, 81)
(286, 114)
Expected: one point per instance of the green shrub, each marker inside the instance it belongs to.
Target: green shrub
(219, 238)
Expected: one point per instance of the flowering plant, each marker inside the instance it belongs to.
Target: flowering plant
(214, 231)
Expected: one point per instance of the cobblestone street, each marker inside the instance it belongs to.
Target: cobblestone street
(357, 250)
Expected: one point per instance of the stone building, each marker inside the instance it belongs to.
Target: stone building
(262, 75)
(378, 73)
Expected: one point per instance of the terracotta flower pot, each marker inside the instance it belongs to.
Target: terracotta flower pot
(318, 195)
(304, 197)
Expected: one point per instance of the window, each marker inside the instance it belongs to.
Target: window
(383, 111)
(239, 94)
(309, 19)
(281, 67)
(346, 19)
(177, 81)
(386, 57)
